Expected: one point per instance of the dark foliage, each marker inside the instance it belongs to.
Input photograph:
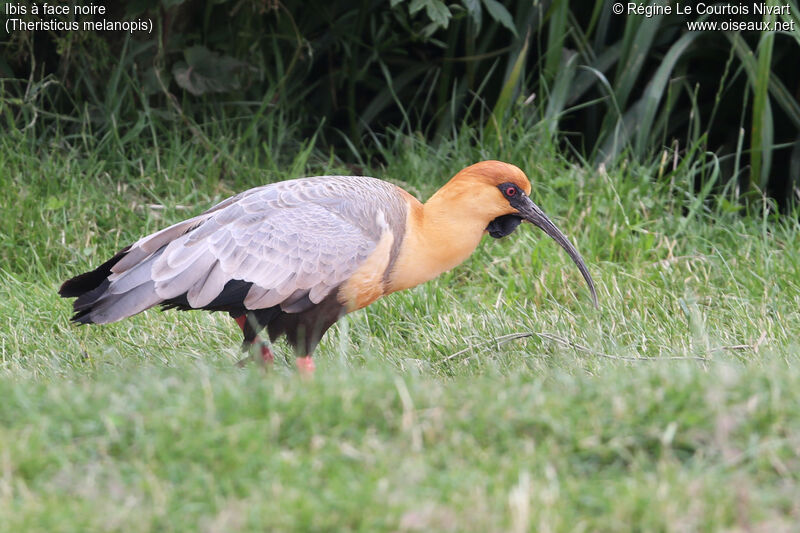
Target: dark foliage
(605, 86)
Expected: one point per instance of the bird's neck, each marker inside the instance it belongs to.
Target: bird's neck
(439, 236)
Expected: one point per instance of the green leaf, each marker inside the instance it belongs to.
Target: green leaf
(507, 92)
(416, 6)
(473, 7)
(53, 203)
(655, 89)
(556, 35)
(438, 13)
(429, 30)
(205, 71)
(559, 94)
(637, 45)
(761, 129)
(499, 13)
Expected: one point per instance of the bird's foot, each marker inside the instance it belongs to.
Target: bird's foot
(267, 358)
(305, 366)
(266, 353)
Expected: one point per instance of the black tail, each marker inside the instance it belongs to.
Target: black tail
(88, 287)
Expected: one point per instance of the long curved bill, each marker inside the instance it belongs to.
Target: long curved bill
(533, 214)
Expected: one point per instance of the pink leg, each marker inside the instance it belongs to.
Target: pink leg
(305, 365)
(266, 353)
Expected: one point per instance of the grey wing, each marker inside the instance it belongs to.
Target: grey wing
(294, 241)
(290, 255)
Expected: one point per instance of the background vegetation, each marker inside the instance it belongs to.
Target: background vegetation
(495, 398)
(604, 88)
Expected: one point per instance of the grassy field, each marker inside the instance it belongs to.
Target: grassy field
(495, 398)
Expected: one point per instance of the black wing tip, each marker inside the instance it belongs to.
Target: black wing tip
(74, 287)
(88, 288)
(82, 318)
(89, 281)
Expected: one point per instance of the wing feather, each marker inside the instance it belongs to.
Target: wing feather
(116, 307)
(263, 299)
(183, 281)
(129, 280)
(203, 294)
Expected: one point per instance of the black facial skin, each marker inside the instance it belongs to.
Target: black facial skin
(506, 224)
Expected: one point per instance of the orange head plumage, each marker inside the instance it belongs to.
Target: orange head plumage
(476, 190)
(492, 173)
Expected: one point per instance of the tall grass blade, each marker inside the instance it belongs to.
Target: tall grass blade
(656, 89)
(559, 95)
(556, 35)
(761, 130)
(509, 87)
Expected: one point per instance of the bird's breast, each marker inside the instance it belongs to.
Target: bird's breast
(433, 245)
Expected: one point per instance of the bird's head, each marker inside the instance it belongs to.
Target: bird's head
(501, 191)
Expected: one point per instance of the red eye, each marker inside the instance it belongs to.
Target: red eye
(511, 191)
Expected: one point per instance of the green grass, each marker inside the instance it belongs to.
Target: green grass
(675, 406)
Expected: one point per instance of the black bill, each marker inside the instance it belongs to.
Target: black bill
(533, 214)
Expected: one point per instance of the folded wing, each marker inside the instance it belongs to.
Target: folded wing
(288, 244)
